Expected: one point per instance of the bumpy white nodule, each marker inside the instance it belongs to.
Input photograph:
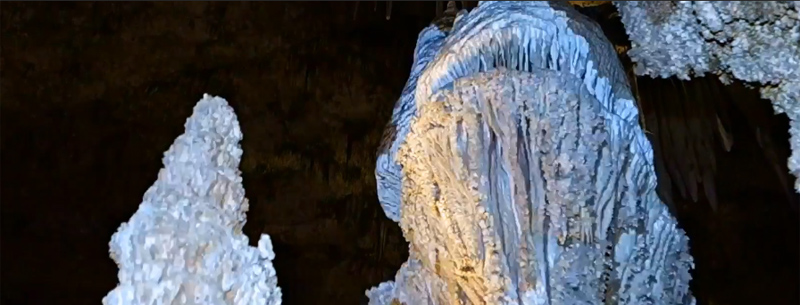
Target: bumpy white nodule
(753, 41)
(522, 174)
(185, 244)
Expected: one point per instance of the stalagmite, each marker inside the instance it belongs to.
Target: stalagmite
(518, 172)
(185, 244)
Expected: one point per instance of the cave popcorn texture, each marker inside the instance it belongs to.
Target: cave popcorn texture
(185, 245)
(753, 41)
(522, 175)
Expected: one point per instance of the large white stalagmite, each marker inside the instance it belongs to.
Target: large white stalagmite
(185, 244)
(753, 41)
(518, 172)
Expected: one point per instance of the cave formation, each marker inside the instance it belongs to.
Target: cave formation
(341, 232)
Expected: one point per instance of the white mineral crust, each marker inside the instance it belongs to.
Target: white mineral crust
(519, 173)
(185, 245)
(753, 41)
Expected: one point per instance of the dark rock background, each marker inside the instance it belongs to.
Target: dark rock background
(93, 94)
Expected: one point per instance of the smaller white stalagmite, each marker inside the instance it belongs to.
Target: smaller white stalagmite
(185, 243)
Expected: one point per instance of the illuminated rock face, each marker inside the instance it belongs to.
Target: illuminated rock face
(518, 171)
(185, 244)
(756, 42)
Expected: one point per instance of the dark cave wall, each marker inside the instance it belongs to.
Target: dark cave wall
(94, 93)
(748, 250)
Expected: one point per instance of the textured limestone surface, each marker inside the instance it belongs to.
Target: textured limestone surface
(754, 41)
(519, 173)
(185, 245)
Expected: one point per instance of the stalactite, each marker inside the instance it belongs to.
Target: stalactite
(756, 42)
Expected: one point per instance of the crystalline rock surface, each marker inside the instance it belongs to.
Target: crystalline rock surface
(753, 41)
(516, 167)
(519, 173)
(185, 244)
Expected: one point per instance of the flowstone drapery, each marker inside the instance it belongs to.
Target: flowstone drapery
(519, 174)
(185, 244)
(753, 41)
